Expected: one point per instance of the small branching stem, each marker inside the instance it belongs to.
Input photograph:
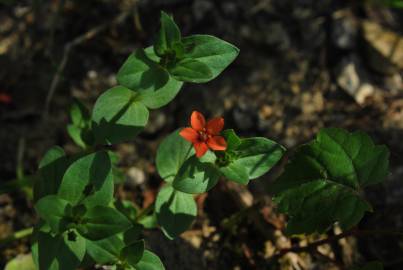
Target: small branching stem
(75, 42)
(144, 212)
(16, 236)
(15, 184)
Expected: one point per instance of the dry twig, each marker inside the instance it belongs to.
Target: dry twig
(77, 41)
(313, 246)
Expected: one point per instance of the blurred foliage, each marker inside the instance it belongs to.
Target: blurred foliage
(7, 2)
(389, 3)
(24, 262)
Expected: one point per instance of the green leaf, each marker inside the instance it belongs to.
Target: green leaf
(42, 226)
(235, 171)
(61, 252)
(105, 251)
(114, 157)
(351, 159)
(133, 234)
(133, 253)
(230, 167)
(118, 116)
(258, 155)
(51, 170)
(217, 54)
(80, 129)
(118, 175)
(155, 99)
(83, 137)
(190, 70)
(370, 266)
(195, 176)
(75, 134)
(316, 205)
(390, 3)
(149, 261)
(208, 157)
(153, 85)
(24, 262)
(101, 222)
(149, 222)
(175, 211)
(54, 211)
(168, 35)
(322, 183)
(233, 141)
(171, 154)
(127, 208)
(246, 159)
(79, 114)
(88, 181)
(140, 73)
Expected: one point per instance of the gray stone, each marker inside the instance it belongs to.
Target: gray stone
(384, 48)
(135, 177)
(353, 78)
(394, 83)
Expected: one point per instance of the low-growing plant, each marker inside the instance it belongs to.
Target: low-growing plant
(388, 3)
(82, 224)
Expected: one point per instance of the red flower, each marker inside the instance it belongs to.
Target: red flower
(204, 136)
(5, 98)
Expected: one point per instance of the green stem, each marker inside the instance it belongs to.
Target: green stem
(144, 212)
(16, 236)
(15, 184)
(20, 158)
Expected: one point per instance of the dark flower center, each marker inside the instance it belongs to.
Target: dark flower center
(203, 135)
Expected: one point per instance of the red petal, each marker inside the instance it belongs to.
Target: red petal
(197, 121)
(217, 143)
(215, 125)
(5, 98)
(190, 135)
(201, 148)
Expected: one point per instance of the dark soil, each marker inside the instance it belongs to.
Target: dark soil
(282, 86)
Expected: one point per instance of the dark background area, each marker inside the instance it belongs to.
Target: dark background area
(303, 65)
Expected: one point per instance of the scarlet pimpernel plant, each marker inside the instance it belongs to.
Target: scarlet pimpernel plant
(80, 222)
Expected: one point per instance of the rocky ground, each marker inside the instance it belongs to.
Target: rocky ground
(304, 65)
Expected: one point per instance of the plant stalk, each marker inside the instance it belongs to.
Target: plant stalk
(12, 185)
(144, 212)
(16, 236)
